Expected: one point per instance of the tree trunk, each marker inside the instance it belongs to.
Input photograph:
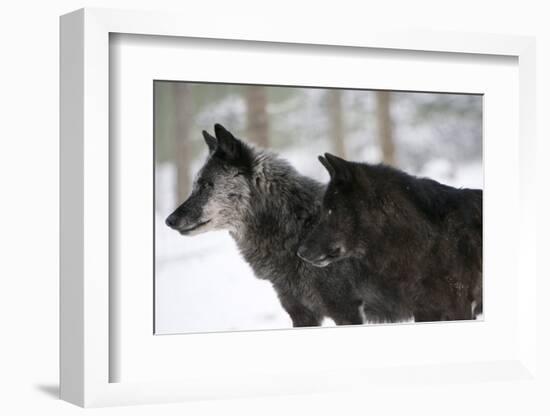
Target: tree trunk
(257, 117)
(182, 148)
(385, 135)
(336, 122)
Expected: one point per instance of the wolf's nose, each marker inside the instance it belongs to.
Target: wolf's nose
(172, 221)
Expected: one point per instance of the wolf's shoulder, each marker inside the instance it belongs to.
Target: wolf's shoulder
(435, 199)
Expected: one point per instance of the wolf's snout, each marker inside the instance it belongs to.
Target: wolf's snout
(318, 256)
(307, 254)
(172, 221)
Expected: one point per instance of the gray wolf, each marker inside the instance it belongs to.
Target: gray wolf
(268, 208)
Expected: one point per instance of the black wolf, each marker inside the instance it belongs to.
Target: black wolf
(423, 237)
(268, 208)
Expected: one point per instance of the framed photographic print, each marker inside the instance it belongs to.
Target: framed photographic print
(273, 214)
(222, 204)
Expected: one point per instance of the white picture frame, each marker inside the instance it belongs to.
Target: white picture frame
(86, 304)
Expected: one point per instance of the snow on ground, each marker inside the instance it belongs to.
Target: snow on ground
(202, 284)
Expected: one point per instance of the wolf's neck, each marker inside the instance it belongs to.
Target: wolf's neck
(281, 202)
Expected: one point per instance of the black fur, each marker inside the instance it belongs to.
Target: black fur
(423, 237)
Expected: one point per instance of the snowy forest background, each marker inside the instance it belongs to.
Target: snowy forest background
(201, 283)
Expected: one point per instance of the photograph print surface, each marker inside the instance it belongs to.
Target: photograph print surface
(280, 207)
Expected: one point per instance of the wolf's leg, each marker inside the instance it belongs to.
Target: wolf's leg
(477, 297)
(347, 312)
(301, 315)
(477, 310)
(463, 311)
(427, 316)
(351, 319)
(460, 306)
(341, 301)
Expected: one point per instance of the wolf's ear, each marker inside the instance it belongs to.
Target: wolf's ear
(327, 166)
(227, 143)
(210, 140)
(337, 167)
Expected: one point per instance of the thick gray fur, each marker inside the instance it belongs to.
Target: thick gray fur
(268, 208)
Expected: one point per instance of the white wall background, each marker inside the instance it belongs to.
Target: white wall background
(29, 205)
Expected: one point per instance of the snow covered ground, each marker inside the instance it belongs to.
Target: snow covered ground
(202, 284)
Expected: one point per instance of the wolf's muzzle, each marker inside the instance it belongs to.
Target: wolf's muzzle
(172, 221)
(319, 259)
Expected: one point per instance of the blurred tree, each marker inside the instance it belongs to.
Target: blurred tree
(183, 108)
(336, 124)
(164, 115)
(257, 116)
(385, 137)
(455, 121)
